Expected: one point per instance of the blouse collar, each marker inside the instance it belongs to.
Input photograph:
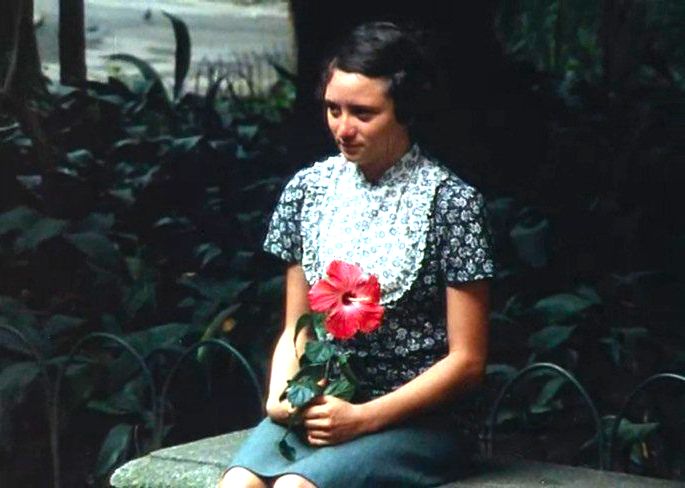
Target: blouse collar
(395, 173)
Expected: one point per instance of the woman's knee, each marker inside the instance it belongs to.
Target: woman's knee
(240, 478)
(293, 481)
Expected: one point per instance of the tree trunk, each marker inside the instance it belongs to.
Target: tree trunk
(20, 71)
(72, 42)
(20, 74)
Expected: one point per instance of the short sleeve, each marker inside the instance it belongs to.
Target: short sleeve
(465, 250)
(284, 237)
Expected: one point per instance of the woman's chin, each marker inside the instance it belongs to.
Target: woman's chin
(352, 153)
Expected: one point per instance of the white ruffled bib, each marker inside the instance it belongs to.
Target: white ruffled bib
(380, 226)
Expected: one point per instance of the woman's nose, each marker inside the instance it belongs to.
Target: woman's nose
(346, 129)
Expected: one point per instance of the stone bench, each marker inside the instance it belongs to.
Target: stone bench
(199, 464)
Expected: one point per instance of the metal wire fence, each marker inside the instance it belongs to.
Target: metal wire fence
(606, 442)
(245, 74)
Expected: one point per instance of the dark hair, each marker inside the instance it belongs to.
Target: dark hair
(399, 53)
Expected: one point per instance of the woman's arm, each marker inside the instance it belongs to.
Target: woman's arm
(284, 362)
(332, 420)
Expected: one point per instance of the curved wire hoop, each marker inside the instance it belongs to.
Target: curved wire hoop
(92, 337)
(648, 383)
(222, 345)
(524, 373)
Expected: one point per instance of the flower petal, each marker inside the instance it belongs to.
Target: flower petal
(368, 289)
(323, 296)
(344, 276)
(370, 317)
(341, 324)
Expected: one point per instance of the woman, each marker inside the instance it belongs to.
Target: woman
(383, 204)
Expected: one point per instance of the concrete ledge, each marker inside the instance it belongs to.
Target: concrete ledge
(199, 464)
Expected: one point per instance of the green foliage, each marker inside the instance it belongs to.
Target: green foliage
(183, 50)
(113, 450)
(590, 273)
(146, 228)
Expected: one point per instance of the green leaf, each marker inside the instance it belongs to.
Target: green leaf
(550, 391)
(530, 242)
(16, 381)
(114, 449)
(127, 400)
(207, 252)
(19, 218)
(146, 69)
(628, 433)
(631, 433)
(304, 321)
(347, 370)
(550, 337)
(632, 334)
(500, 370)
(319, 352)
(226, 291)
(97, 222)
(80, 380)
(41, 230)
(286, 450)
(589, 293)
(248, 131)
(183, 50)
(302, 391)
(59, 324)
(161, 336)
(341, 388)
(81, 158)
(319, 327)
(538, 408)
(562, 307)
(315, 371)
(10, 341)
(110, 324)
(505, 415)
(271, 290)
(186, 144)
(614, 349)
(99, 249)
(124, 195)
(141, 295)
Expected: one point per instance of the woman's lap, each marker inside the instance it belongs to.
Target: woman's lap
(426, 452)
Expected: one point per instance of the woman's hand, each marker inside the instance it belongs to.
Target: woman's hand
(279, 411)
(329, 420)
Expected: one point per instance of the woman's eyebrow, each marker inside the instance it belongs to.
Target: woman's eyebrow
(364, 108)
(353, 107)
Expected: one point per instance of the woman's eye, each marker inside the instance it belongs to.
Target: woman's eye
(334, 111)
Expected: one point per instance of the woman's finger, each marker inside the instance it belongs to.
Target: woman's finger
(315, 412)
(316, 441)
(316, 423)
(318, 433)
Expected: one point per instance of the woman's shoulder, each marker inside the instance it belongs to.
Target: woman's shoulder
(452, 189)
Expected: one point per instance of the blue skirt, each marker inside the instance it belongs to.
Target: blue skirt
(428, 451)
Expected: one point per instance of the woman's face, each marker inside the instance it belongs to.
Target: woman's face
(361, 117)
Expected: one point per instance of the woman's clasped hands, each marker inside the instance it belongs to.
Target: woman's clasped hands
(330, 420)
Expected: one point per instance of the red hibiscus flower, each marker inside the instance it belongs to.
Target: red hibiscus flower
(350, 299)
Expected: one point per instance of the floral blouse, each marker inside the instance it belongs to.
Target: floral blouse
(419, 228)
